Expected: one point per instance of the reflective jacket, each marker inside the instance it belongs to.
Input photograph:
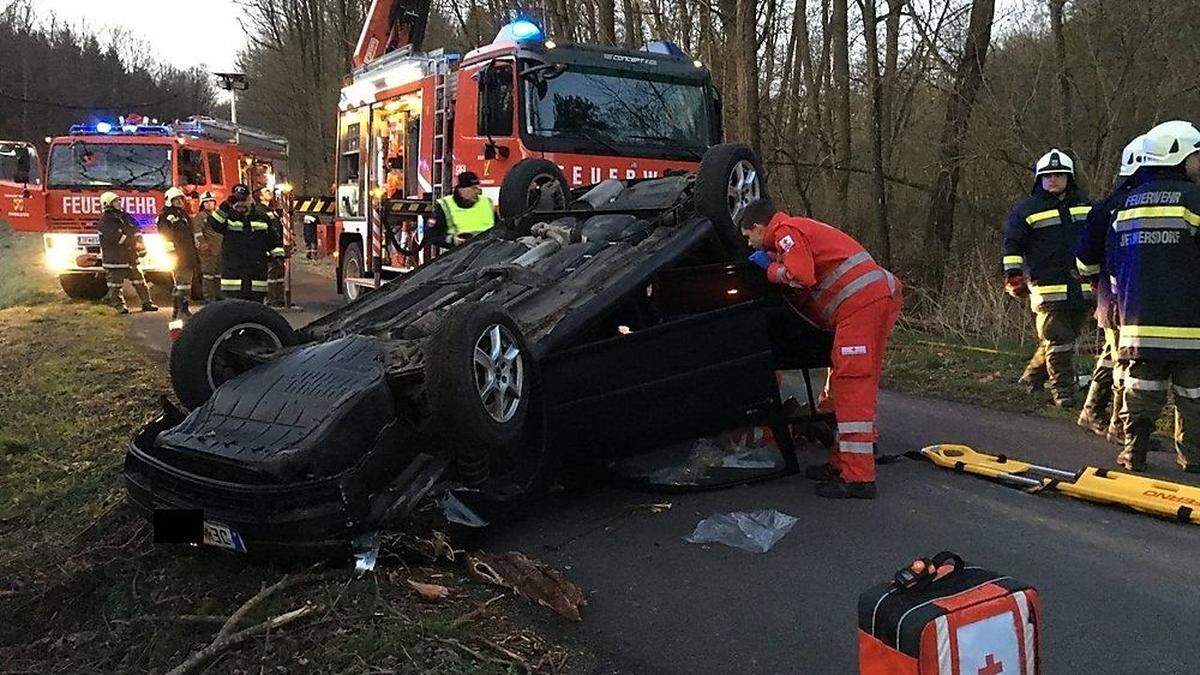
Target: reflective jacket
(247, 240)
(119, 237)
(830, 273)
(1094, 237)
(1039, 242)
(174, 224)
(477, 217)
(1154, 256)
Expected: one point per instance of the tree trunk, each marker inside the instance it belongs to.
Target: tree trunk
(968, 77)
(747, 69)
(608, 21)
(841, 85)
(891, 58)
(1064, 74)
(882, 230)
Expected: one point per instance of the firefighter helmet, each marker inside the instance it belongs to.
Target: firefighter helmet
(173, 193)
(1170, 143)
(240, 191)
(207, 196)
(1131, 157)
(1055, 161)
(107, 198)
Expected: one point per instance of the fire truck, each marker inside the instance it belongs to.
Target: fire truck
(410, 121)
(138, 159)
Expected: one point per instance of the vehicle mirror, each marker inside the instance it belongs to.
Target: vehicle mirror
(492, 151)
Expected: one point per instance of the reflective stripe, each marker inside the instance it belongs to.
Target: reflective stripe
(116, 266)
(1135, 342)
(856, 427)
(1146, 385)
(840, 271)
(277, 251)
(1085, 269)
(1055, 288)
(1077, 211)
(183, 287)
(1186, 392)
(112, 285)
(1058, 349)
(212, 276)
(856, 447)
(259, 225)
(1013, 262)
(138, 282)
(1041, 217)
(1105, 363)
(231, 283)
(1165, 212)
(1161, 331)
(217, 215)
(850, 289)
(945, 660)
(235, 226)
(257, 285)
(274, 281)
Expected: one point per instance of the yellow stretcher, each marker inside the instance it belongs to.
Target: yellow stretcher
(1148, 495)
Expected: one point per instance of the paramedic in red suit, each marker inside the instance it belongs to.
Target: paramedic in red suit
(835, 283)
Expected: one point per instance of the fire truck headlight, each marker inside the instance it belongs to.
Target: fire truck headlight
(60, 252)
(158, 252)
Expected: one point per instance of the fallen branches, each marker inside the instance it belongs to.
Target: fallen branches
(531, 579)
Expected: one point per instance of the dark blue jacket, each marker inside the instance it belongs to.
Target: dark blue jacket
(1154, 258)
(1039, 242)
(1092, 244)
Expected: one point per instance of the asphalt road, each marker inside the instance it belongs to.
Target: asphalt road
(314, 295)
(1120, 591)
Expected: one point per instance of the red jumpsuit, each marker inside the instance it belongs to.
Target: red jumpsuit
(837, 285)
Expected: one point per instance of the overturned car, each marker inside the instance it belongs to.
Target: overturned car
(620, 319)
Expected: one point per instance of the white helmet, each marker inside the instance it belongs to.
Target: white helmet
(1055, 161)
(1131, 157)
(107, 198)
(1169, 143)
(207, 196)
(172, 193)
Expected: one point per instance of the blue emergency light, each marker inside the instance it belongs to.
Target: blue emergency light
(108, 128)
(520, 30)
(103, 127)
(664, 47)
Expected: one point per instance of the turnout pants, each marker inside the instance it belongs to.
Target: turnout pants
(859, 342)
(116, 276)
(275, 276)
(254, 290)
(210, 266)
(1053, 361)
(181, 288)
(1102, 392)
(1147, 384)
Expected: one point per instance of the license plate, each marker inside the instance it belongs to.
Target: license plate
(89, 240)
(216, 534)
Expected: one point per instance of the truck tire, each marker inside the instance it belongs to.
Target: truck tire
(731, 176)
(479, 379)
(532, 184)
(84, 286)
(200, 361)
(352, 266)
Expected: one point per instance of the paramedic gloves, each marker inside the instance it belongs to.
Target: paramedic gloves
(761, 258)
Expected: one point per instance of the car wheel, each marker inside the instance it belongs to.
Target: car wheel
(731, 177)
(352, 268)
(204, 357)
(479, 382)
(532, 184)
(84, 286)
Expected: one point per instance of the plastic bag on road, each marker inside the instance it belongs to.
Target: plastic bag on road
(754, 531)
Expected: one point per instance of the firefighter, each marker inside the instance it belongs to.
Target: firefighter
(461, 215)
(120, 247)
(1039, 263)
(841, 288)
(1102, 406)
(310, 237)
(175, 225)
(277, 265)
(1154, 257)
(208, 244)
(247, 240)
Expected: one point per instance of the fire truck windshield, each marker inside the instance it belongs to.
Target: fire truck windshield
(634, 111)
(82, 164)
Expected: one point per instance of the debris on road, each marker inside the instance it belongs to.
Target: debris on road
(652, 508)
(458, 512)
(754, 531)
(429, 592)
(532, 580)
(700, 461)
(366, 552)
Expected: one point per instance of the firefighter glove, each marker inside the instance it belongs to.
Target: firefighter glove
(1015, 286)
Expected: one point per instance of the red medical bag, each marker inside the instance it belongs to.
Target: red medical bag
(943, 617)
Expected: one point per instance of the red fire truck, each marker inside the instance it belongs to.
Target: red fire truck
(138, 161)
(410, 121)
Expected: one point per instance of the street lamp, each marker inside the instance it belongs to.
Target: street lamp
(233, 83)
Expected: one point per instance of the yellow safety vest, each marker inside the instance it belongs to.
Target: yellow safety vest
(477, 218)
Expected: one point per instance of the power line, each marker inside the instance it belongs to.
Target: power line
(70, 106)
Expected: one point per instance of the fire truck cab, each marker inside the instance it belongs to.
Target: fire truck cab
(409, 122)
(138, 161)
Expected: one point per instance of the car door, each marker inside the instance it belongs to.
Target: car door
(684, 378)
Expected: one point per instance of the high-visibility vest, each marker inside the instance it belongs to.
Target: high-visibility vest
(476, 218)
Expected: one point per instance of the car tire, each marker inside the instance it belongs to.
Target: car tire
(352, 266)
(478, 397)
(530, 184)
(84, 286)
(730, 177)
(197, 364)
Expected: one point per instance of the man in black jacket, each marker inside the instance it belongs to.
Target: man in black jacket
(1039, 262)
(174, 224)
(247, 240)
(119, 249)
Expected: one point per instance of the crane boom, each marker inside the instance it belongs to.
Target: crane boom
(391, 25)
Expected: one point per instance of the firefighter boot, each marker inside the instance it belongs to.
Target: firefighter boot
(840, 489)
(1095, 417)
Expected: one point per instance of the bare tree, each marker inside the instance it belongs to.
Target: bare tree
(841, 85)
(879, 186)
(1064, 74)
